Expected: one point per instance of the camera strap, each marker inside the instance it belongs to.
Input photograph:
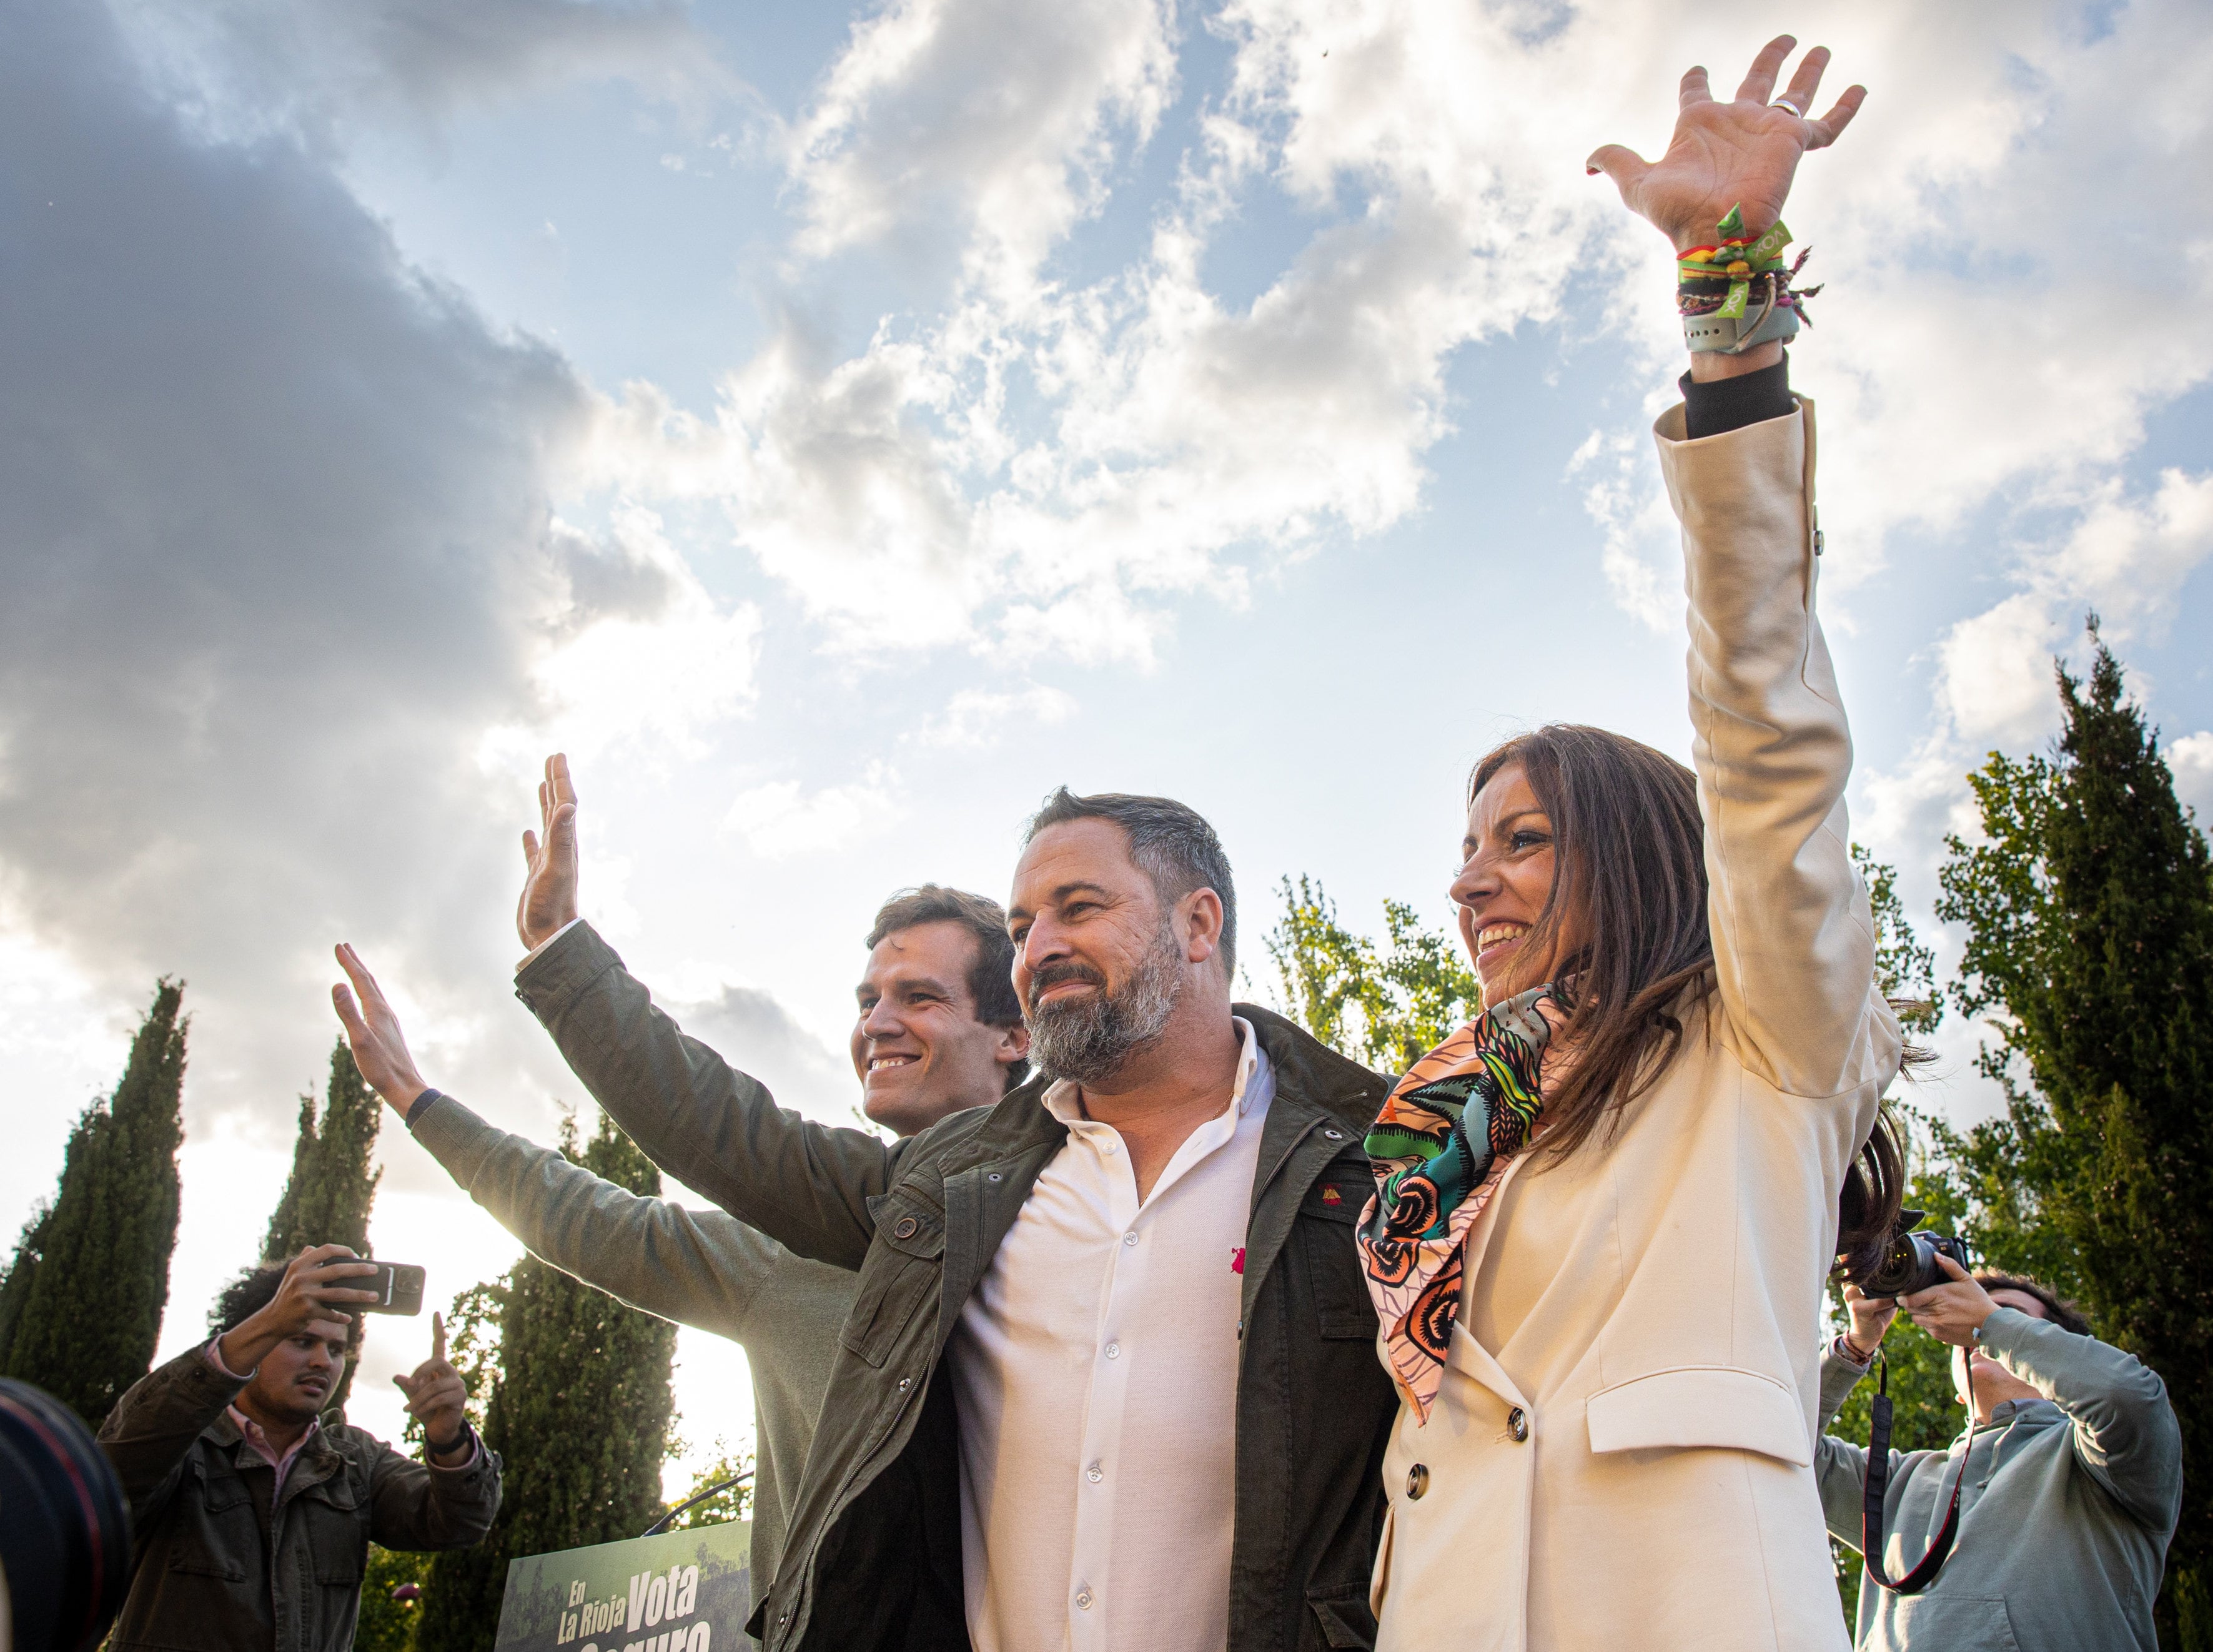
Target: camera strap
(1877, 1483)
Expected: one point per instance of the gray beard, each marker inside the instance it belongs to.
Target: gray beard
(1088, 1040)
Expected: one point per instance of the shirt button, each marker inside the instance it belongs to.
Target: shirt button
(1129, 1238)
(1418, 1480)
(906, 1227)
(1083, 1598)
(1113, 1351)
(1095, 1473)
(1517, 1422)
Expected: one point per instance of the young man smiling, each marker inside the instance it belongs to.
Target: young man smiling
(937, 1029)
(251, 1517)
(1109, 1379)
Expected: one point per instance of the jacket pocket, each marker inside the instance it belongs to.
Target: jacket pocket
(899, 1279)
(1691, 1405)
(1338, 1616)
(1959, 1623)
(1327, 1218)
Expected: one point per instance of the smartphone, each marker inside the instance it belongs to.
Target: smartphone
(397, 1285)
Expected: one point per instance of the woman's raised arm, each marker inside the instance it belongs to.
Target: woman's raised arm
(1793, 943)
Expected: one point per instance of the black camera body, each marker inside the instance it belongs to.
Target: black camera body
(1908, 1262)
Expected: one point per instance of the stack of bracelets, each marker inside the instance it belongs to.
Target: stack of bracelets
(1735, 295)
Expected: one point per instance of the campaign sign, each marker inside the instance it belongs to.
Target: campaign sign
(680, 1592)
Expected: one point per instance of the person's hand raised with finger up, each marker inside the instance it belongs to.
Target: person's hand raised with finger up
(549, 860)
(1742, 153)
(438, 1398)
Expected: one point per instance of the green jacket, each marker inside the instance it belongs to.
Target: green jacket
(872, 1560)
(217, 1566)
(2064, 1519)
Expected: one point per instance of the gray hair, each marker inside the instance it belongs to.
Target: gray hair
(1169, 842)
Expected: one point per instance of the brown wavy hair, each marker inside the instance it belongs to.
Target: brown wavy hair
(1629, 858)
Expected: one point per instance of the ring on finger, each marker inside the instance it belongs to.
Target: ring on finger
(1784, 102)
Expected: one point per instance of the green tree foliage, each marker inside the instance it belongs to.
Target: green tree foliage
(728, 1504)
(2088, 908)
(1384, 1007)
(386, 1624)
(81, 1307)
(328, 1196)
(575, 1399)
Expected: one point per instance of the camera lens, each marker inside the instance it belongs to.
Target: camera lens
(64, 1534)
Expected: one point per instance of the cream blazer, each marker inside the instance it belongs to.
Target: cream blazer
(1621, 1456)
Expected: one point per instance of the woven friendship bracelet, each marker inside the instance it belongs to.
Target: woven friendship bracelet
(1718, 287)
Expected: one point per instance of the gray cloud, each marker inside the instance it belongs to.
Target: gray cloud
(749, 1029)
(276, 551)
(318, 66)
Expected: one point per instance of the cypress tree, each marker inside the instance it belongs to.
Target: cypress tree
(2090, 912)
(579, 1407)
(329, 1194)
(81, 1307)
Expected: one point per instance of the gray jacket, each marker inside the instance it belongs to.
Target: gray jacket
(700, 1268)
(221, 1567)
(873, 1560)
(2064, 1519)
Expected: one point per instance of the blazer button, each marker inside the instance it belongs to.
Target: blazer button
(1517, 1420)
(1418, 1481)
(906, 1227)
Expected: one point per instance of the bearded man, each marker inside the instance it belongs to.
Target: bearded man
(1109, 1379)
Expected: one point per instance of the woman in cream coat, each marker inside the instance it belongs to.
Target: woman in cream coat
(1611, 1447)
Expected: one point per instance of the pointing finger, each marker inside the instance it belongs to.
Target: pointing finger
(1759, 80)
(1807, 82)
(437, 1335)
(1823, 132)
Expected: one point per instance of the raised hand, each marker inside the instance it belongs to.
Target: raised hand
(311, 1301)
(380, 1049)
(1744, 152)
(437, 1396)
(549, 862)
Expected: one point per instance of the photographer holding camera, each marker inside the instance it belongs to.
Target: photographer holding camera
(253, 1517)
(2070, 1475)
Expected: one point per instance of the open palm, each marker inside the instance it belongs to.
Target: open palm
(1744, 152)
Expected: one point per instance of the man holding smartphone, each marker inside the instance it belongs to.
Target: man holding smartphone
(252, 1517)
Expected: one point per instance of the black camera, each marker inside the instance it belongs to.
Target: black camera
(1909, 1261)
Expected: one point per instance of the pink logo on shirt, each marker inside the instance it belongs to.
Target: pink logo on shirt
(1237, 1258)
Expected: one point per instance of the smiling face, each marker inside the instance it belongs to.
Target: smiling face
(1100, 965)
(294, 1381)
(1506, 873)
(920, 1050)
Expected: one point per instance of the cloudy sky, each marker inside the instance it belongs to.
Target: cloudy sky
(837, 428)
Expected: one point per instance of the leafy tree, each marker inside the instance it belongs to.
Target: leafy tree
(327, 1197)
(728, 1504)
(81, 1305)
(2088, 908)
(575, 1395)
(386, 1624)
(1383, 1007)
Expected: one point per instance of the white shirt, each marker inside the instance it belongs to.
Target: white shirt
(1095, 1371)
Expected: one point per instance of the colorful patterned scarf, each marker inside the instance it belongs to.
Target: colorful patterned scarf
(1442, 1142)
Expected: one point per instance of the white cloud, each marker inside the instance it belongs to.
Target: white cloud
(2190, 757)
(782, 819)
(974, 716)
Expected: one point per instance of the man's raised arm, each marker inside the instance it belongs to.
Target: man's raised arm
(711, 1127)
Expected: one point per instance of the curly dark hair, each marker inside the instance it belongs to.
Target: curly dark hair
(253, 1290)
